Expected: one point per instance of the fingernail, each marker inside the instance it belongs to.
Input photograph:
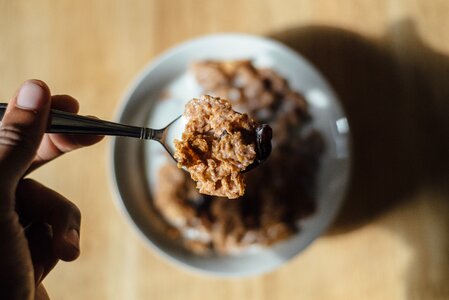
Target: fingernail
(31, 96)
(73, 238)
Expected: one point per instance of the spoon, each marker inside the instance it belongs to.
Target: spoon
(68, 123)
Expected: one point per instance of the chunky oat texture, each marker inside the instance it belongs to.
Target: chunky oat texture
(217, 145)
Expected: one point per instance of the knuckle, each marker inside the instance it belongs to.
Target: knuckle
(76, 212)
(63, 214)
(69, 210)
(14, 136)
(27, 183)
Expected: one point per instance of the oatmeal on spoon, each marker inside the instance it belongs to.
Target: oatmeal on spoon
(218, 145)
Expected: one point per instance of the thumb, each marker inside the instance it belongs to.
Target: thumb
(21, 132)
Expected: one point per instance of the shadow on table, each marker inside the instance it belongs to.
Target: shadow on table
(395, 91)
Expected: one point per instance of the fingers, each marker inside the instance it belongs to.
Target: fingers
(54, 145)
(21, 131)
(39, 237)
(36, 203)
(65, 103)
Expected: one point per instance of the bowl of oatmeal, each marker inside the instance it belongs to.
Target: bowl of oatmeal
(255, 221)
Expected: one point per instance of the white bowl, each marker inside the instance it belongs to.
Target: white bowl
(135, 162)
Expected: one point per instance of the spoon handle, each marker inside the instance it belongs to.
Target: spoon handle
(68, 123)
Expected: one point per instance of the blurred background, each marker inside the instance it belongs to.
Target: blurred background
(388, 62)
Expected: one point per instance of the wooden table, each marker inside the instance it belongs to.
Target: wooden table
(388, 61)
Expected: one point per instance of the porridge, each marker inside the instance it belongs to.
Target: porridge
(217, 145)
(278, 193)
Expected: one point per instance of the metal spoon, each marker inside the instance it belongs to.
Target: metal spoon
(68, 123)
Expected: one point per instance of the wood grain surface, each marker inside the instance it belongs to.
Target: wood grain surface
(387, 60)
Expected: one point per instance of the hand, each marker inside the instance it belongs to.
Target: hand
(37, 225)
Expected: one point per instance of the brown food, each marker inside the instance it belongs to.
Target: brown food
(278, 194)
(217, 145)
